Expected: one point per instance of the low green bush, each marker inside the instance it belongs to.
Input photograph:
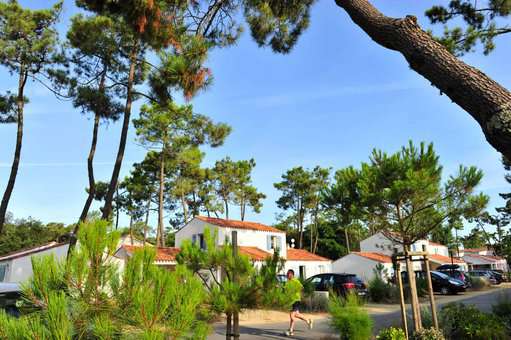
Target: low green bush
(422, 287)
(347, 318)
(381, 291)
(428, 334)
(478, 283)
(391, 333)
(460, 321)
(502, 310)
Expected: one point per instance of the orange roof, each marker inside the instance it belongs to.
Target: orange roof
(162, 254)
(254, 253)
(490, 258)
(374, 256)
(303, 255)
(220, 222)
(444, 259)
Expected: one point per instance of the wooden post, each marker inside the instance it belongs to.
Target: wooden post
(430, 290)
(414, 299)
(397, 274)
(236, 315)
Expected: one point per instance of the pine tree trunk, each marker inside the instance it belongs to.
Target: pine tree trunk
(485, 100)
(347, 237)
(107, 209)
(20, 106)
(147, 217)
(131, 230)
(242, 209)
(226, 209)
(117, 208)
(185, 208)
(160, 242)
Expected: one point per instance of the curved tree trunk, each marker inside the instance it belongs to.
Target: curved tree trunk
(107, 209)
(20, 105)
(147, 217)
(485, 100)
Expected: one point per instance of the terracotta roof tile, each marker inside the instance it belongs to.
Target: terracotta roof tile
(474, 250)
(444, 259)
(162, 254)
(303, 255)
(220, 222)
(489, 258)
(374, 256)
(254, 253)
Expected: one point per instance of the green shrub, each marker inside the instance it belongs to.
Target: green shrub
(427, 319)
(502, 310)
(428, 334)
(391, 333)
(380, 291)
(466, 322)
(422, 287)
(478, 283)
(315, 303)
(347, 318)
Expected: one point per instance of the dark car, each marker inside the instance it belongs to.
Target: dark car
(458, 275)
(10, 294)
(445, 284)
(444, 267)
(341, 284)
(497, 276)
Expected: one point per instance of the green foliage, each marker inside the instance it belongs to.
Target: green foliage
(391, 333)
(428, 334)
(348, 319)
(483, 22)
(85, 298)
(402, 193)
(277, 23)
(379, 290)
(502, 310)
(460, 321)
(28, 233)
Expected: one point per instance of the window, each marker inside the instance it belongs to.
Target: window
(273, 242)
(3, 271)
(198, 239)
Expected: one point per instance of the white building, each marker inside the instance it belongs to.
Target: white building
(379, 248)
(17, 266)
(484, 258)
(363, 265)
(256, 240)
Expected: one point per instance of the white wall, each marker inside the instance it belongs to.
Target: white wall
(246, 237)
(311, 267)
(360, 266)
(20, 269)
(379, 243)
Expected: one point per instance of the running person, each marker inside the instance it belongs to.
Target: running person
(295, 287)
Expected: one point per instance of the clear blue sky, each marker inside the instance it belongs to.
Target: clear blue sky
(329, 102)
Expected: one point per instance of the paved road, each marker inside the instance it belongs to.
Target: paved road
(383, 317)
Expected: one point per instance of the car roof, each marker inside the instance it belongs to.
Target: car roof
(7, 287)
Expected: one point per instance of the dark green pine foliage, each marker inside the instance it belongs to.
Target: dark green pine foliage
(483, 22)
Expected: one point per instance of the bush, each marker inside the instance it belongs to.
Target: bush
(428, 334)
(461, 321)
(502, 310)
(347, 318)
(422, 287)
(391, 333)
(380, 291)
(478, 283)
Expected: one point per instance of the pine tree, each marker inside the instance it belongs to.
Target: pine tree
(28, 50)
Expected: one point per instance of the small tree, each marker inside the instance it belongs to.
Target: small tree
(87, 298)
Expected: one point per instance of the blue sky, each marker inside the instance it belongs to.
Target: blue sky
(334, 98)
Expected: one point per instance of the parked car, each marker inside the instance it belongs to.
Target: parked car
(458, 275)
(342, 284)
(445, 284)
(10, 294)
(444, 267)
(503, 274)
(497, 276)
(485, 274)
